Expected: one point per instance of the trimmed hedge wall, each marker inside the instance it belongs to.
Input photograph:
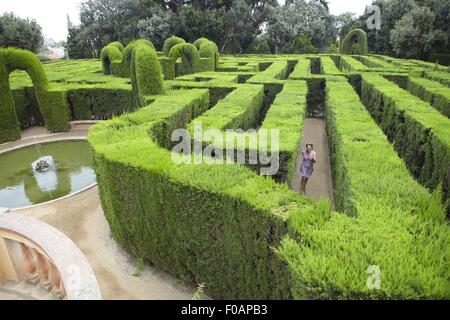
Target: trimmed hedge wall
(146, 74)
(190, 58)
(430, 91)
(356, 36)
(442, 77)
(231, 218)
(329, 66)
(352, 64)
(420, 134)
(52, 103)
(111, 57)
(171, 42)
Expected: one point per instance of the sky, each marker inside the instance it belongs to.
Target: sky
(52, 14)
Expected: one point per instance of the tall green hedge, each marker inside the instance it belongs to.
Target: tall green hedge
(209, 51)
(146, 74)
(171, 42)
(111, 57)
(421, 134)
(190, 57)
(358, 37)
(433, 92)
(52, 103)
(209, 224)
(394, 225)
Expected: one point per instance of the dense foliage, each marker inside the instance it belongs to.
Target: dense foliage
(20, 33)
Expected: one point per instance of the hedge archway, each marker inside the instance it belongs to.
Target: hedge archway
(356, 36)
(146, 73)
(111, 54)
(52, 104)
(208, 50)
(170, 43)
(190, 57)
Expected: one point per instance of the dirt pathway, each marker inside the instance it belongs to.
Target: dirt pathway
(320, 184)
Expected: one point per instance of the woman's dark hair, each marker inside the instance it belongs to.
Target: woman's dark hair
(310, 145)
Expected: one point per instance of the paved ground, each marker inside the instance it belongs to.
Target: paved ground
(81, 218)
(320, 184)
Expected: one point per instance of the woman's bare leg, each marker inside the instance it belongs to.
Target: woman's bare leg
(305, 182)
(303, 185)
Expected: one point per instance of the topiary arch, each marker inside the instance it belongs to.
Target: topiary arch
(146, 74)
(52, 104)
(170, 43)
(356, 36)
(190, 57)
(208, 50)
(112, 56)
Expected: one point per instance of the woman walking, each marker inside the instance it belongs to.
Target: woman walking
(309, 159)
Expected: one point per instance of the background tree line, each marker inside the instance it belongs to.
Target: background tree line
(410, 28)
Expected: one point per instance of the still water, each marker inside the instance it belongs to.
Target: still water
(71, 170)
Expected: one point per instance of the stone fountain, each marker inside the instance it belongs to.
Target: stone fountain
(44, 170)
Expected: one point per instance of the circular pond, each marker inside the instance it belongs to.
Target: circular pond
(44, 172)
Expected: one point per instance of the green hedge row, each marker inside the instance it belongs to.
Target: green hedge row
(430, 91)
(373, 62)
(212, 224)
(351, 64)
(146, 73)
(170, 43)
(52, 103)
(394, 224)
(442, 77)
(421, 134)
(276, 71)
(301, 70)
(241, 110)
(329, 66)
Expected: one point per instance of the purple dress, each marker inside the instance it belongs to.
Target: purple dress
(308, 164)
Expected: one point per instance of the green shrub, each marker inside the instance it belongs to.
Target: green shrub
(190, 58)
(171, 42)
(430, 91)
(146, 74)
(419, 132)
(356, 36)
(230, 217)
(52, 103)
(209, 51)
(442, 77)
(128, 52)
(301, 70)
(352, 64)
(329, 66)
(112, 54)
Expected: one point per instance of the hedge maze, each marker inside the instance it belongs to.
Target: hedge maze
(243, 234)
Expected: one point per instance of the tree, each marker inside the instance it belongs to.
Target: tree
(239, 28)
(414, 35)
(158, 27)
(301, 45)
(194, 24)
(346, 22)
(20, 33)
(301, 18)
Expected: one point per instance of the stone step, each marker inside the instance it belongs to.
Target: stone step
(23, 291)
